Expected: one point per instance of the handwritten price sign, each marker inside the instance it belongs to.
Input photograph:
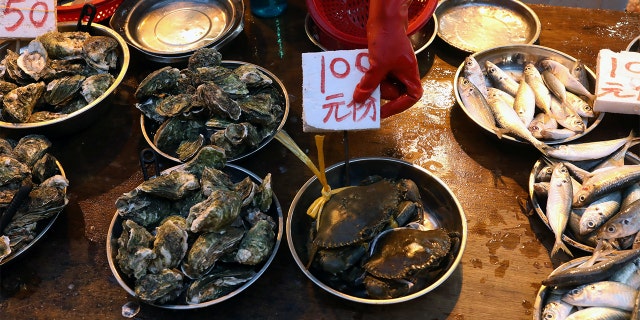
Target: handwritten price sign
(26, 18)
(618, 85)
(329, 79)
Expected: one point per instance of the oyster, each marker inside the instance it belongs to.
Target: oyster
(161, 287)
(5, 248)
(208, 248)
(217, 285)
(218, 101)
(100, 52)
(12, 170)
(213, 179)
(95, 85)
(44, 168)
(33, 61)
(20, 102)
(146, 210)
(64, 45)
(188, 148)
(134, 249)
(163, 80)
(31, 148)
(174, 105)
(204, 57)
(170, 244)
(43, 202)
(13, 69)
(257, 244)
(62, 90)
(173, 185)
(214, 213)
(252, 76)
(258, 108)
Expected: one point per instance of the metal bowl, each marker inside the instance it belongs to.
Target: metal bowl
(236, 174)
(478, 25)
(79, 119)
(170, 31)
(42, 227)
(512, 59)
(634, 45)
(420, 39)
(149, 127)
(544, 291)
(438, 200)
(539, 205)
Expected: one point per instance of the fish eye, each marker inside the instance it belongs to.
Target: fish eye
(591, 224)
(611, 229)
(574, 291)
(626, 222)
(581, 198)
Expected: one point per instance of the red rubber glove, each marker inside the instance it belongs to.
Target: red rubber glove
(392, 59)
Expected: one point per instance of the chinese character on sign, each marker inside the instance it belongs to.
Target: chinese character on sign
(618, 82)
(329, 79)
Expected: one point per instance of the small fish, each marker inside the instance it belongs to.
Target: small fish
(555, 308)
(554, 84)
(542, 121)
(525, 103)
(566, 117)
(497, 93)
(579, 70)
(631, 194)
(509, 122)
(473, 71)
(627, 273)
(587, 150)
(475, 103)
(558, 208)
(564, 74)
(624, 223)
(599, 313)
(617, 158)
(602, 294)
(580, 106)
(599, 211)
(605, 181)
(556, 134)
(543, 96)
(501, 79)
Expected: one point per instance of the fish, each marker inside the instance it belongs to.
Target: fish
(605, 293)
(525, 103)
(509, 122)
(495, 92)
(631, 194)
(567, 117)
(501, 79)
(579, 70)
(554, 84)
(475, 102)
(555, 308)
(542, 121)
(556, 134)
(599, 313)
(617, 158)
(587, 150)
(558, 207)
(599, 211)
(599, 271)
(628, 274)
(533, 77)
(473, 71)
(578, 105)
(624, 223)
(605, 181)
(570, 82)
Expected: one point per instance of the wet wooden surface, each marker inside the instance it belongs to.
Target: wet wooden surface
(507, 254)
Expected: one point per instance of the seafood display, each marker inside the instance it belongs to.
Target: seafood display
(592, 288)
(236, 106)
(56, 74)
(589, 191)
(527, 93)
(28, 172)
(197, 233)
(375, 241)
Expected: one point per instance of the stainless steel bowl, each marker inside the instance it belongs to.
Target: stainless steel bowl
(170, 31)
(634, 45)
(438, 200)
(149, 128)
(544, 291)
(82, 118)
(236, 174)
(478, 25)
(511, 59)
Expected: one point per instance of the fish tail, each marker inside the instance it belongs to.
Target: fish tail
(559, 245)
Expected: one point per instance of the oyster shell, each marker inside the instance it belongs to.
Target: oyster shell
(161, 287)
(170, 244)
(134, 249)
(43, 202)
(31, 148)
(62, 90)
(218, 101)
(20, 102)
(163, 80)
(12, 170)
(146, 210)
(33, 61)
(217, 285)
(214, 213)
(204, 57)
(173, 185)
(208, 248)
(257, 244)
(64, 45)
(187, 149)
(5, 247)
(100, 52)
(95, 85)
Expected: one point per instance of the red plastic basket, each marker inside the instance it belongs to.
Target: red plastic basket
(104, 10)
(346, 20)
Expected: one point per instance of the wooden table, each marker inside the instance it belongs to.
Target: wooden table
(67, 275)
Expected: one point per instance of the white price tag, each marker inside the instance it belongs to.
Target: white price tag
(26, 18)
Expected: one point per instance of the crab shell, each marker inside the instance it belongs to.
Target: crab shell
(399, 252)
(359, 213)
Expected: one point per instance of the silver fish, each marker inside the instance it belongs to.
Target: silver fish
(587, 150)
(599, 211)
(599, 313)
(566, 116)
(542, 121)
(543, 96)
(495, 92)
(580, 106)
(579, 70)
(602, 294)
(606, 181)
(507, 118)
(618, 157)
(555, 308)
(556, 134)
(501, 79)
(473, 71)
(559, 205)
(631, 194)
(554, 84)
(624, 223)
(525, 103)
(564, 74)
(475, 102)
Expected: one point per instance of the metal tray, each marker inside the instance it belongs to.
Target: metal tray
(476, 25)
(169, 31)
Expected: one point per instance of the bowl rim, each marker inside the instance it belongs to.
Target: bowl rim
(121, 74)
(115, 270)
(459, 73)
(445, 276)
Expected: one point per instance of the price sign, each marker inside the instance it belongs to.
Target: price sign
(26, 18)
(618, 85)
(329, 79)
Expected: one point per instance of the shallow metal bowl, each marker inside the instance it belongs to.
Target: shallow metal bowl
(149, 127)
(236, 174)
(476, 25)
(170, 31)
(82, 118)
(544, 291)
(420, 39)
(512, 59)
(438, 201)
(634, 45)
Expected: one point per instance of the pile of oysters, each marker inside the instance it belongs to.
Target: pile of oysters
(56, 74)
(26, 166)
(235, 106)
(195, 233)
